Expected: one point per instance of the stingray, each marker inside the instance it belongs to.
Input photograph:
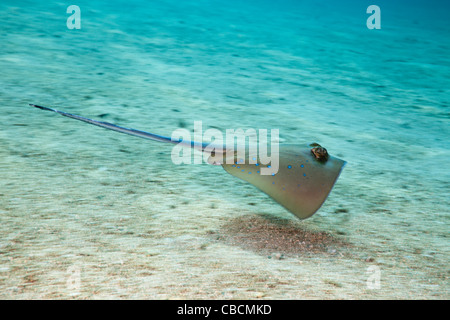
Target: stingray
(306, 174)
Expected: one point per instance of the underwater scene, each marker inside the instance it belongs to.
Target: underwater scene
(89, 213)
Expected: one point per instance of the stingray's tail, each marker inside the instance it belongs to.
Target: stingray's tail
(133, 132)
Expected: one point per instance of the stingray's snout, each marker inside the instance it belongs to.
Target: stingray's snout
(319, 152)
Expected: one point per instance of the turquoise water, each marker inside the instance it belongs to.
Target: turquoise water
(113, 211)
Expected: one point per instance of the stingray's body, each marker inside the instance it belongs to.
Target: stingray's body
(302, 183)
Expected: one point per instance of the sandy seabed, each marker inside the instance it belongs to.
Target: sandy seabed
(108, 232)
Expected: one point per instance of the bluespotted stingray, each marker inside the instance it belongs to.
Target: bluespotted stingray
(305, 176)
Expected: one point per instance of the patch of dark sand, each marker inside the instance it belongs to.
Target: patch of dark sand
(278, 237)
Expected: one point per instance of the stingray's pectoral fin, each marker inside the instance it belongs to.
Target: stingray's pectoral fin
(302, 182)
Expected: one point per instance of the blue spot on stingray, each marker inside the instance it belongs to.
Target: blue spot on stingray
(254, 158)
(249, 172)
(273, 182)
(302, 166)
(289, 167)
(256, 164)
(238, 167)
(243, 170)
(304, 174)
(257, 171)
(233, 165)
(273, 174)
(268, 166)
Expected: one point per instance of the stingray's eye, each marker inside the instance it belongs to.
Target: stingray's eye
(320, 153)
